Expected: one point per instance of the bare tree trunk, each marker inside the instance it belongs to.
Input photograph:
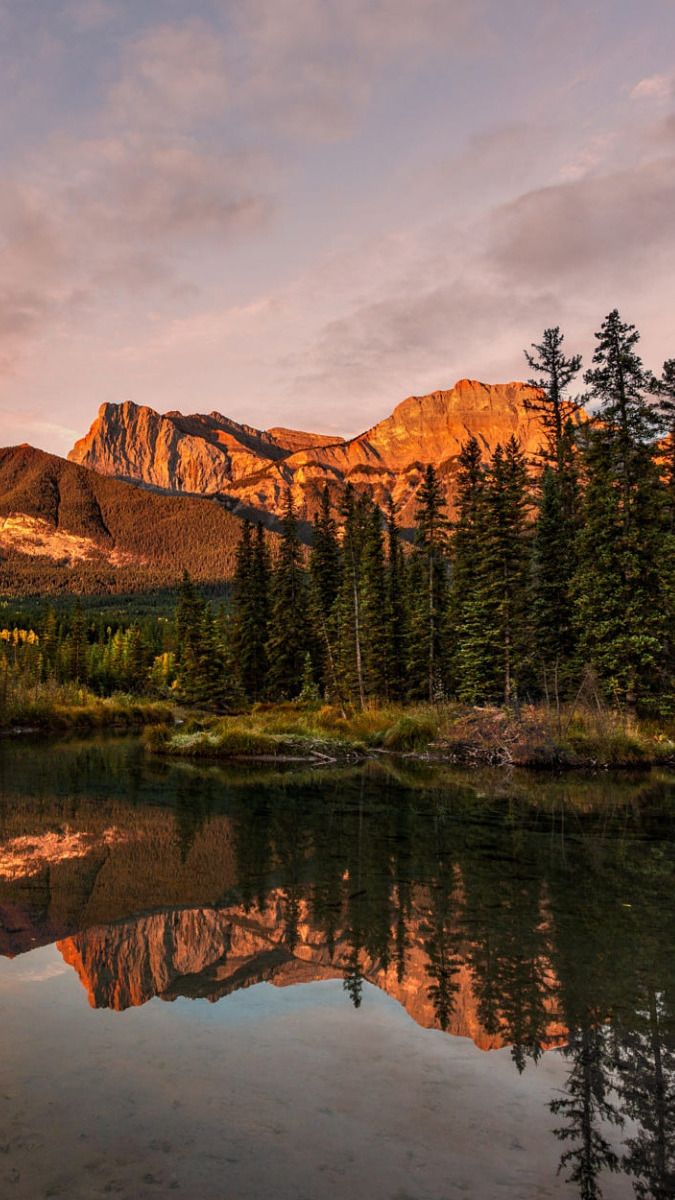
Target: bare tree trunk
(357, 644)
(333, 672)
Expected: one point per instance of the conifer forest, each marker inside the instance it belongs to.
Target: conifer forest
(546, 572)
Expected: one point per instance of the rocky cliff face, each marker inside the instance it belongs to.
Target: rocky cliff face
(211, 952)
(213, 455)
(197, 454)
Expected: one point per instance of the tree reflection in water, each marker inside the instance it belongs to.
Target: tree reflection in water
(528, 915)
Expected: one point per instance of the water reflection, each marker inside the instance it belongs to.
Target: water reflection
(518, 913)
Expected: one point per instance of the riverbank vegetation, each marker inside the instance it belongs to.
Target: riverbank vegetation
(529, 737)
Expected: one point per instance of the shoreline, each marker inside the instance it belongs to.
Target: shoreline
(292, 733)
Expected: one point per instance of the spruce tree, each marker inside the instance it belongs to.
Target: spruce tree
(396, 616)
(554, 563)
(429, 575)
(77, 645)
(251, 612)
(373, 606)
(289, 624)
(324, 577)
(553, 406)
(665, 390)
(507, 568)
(188, 617)
(470, 619)
(349, 603)
(619, 586)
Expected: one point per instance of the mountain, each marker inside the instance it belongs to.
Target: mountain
(64, 527)
(212, 455)
(197, 454)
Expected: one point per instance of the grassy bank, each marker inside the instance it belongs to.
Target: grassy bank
(69, 706)
(529, 737)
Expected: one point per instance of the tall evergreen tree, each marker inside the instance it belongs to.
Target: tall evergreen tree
(472, 633)
(289, 625)
(554, 564)
(77, 645)
(665, 390)
(350, 600)
(554, 408)
(507, 504)
(429, 574)
(251, 611)
(374, 606)
(619, 587)
(324, 576)
(396, 609)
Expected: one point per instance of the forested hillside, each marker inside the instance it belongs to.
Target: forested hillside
(65, 528)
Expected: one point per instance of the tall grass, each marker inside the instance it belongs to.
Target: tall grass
(293, 730)
(50, 705)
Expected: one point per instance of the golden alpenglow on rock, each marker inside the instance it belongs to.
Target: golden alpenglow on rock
(212, 455)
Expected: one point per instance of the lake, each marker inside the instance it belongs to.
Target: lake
(388, 981)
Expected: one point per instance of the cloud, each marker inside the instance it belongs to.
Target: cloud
(131, 208)
(565, 254)
(87, 15)
(172, 75)
(607, 225)
(310, 66)
(655, 87)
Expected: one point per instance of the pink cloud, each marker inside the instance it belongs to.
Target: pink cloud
(655, 87)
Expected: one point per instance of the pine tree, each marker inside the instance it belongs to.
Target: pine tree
(620, 382)
(554, 564)
(324, 561)
(77, 645)
(251, 612)
(430, 576)
(553, 407)
(665, 390)
(324, 576)
(473, 648)
(205, 677)
(289, 625)
(349, 603)
(374, 606)
(396, 610)
(619, 586)
(507, 569)
(188, 617)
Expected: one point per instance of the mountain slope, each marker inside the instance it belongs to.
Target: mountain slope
(63, 527)
(213, 455)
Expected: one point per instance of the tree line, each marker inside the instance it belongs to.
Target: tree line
(550, 572)
(543, 575)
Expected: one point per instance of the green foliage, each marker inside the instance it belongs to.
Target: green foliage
(552, 406)
(620, 594)
(289, 625)
(429, 591)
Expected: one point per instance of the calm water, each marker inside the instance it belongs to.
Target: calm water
(391, 981)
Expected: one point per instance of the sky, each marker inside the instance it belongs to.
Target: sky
(299, 212)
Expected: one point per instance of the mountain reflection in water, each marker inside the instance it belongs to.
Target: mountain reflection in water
(518, 912)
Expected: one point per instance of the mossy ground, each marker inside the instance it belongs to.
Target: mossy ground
(531, 736)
